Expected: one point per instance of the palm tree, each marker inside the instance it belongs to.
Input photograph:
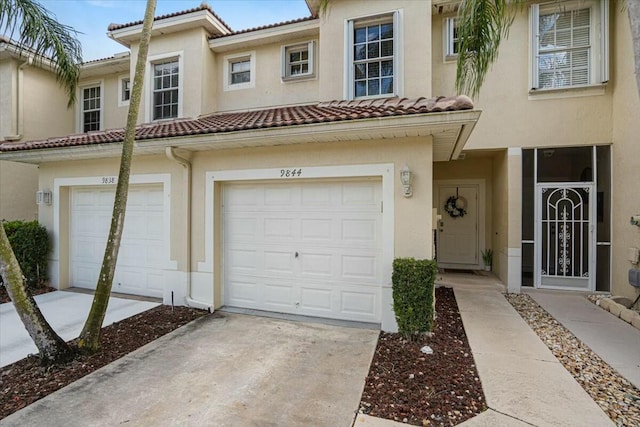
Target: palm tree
(90, 335)
(44, 39)
(47, 41)
(483, 24)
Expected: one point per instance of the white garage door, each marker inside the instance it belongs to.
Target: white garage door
(139, 268)
(309, 248)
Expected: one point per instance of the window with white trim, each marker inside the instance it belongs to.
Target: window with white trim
(91, 108)
(373, 56)
(239, 71)
(297, 61)
(451, 42)
(166, 82)
(569, 44)
(125, 90)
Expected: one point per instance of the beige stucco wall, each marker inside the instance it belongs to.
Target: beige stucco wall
(625, 156)
(412, 215)
(18, 186)
(7, 97)
(269, 90)
(571, 118)
(113, 115)
(416, 44)
(190, 45)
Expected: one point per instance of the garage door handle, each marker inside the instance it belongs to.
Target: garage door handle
(296, 254)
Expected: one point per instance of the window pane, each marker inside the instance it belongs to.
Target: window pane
(373, 69)
(373, 33)
(359, 52)
(360, 71)
(304, 55)
(387, 85)
(387, 68)
(361, 88)
(386, 48)
(360, 35)
(373, 87)
(373, 50)
(386, 31)
(294, 56)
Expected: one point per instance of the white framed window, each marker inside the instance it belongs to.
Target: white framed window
(298, 61)
(124, 90)
(451, 43)
(239, 71)
(373, 60)
(569, 44)
(91, 107)
(166, 89)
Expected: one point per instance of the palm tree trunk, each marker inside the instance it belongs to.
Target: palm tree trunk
(90, 335)
(633, 10)
(52, 348)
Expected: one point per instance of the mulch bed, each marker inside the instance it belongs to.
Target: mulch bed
(27, 380)
(4, 296)
(439, 389)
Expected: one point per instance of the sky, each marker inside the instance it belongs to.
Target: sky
(92, 17)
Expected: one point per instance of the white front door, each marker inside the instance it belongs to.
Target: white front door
(457, 245)
(304, 247)
(565, 236)
(140, 261)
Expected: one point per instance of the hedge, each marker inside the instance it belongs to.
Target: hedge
(414, 295)
(30, 243)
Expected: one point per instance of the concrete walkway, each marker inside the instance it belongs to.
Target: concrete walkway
(524, 384)
(614, 340)
(66, 312)
(233, 371)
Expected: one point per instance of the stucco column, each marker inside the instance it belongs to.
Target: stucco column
(514, 226)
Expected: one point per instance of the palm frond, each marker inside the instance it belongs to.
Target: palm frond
(482, 24)
(41, 36)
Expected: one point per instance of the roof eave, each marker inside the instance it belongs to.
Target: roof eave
(200, 18)
(450, 132)
(265, 36)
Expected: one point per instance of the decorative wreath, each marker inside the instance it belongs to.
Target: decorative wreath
(455, 207)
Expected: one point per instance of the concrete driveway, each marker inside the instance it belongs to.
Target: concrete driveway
(66, 312)
(237, 370)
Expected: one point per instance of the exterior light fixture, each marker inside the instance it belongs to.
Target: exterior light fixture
(44, 197)
(405, 178)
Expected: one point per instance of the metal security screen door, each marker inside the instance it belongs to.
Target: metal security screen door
(565, 236)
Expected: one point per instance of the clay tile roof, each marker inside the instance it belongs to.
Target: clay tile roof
(264, 27)
(203, 6)
(324, 112)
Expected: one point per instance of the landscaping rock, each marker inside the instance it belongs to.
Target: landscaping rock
(605, 303)
(615, 308)
(627, 314)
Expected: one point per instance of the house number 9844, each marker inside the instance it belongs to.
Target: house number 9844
(290, 173)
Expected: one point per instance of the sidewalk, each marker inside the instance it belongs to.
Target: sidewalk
(614, 340)
(524, 384)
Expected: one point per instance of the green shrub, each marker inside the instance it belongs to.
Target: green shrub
(414, 295)
(30, 243)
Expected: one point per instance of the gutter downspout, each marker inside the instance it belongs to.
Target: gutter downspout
(18, 134)
(171, 155)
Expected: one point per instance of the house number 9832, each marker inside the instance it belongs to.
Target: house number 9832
(290, 173)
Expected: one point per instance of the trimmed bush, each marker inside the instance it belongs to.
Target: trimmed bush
(30, 243)
(414, 295)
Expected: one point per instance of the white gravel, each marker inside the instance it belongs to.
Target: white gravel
(616, 396)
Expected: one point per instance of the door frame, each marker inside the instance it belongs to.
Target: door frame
(537, 254)
(480, 229)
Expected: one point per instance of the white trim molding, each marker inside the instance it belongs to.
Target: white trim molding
(148, 82)
(80, 104)
(226, 70)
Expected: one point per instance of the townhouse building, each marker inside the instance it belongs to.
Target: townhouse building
(283, 168)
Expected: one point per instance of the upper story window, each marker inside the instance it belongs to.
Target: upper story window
(373, 56)
(125, 93)
(124, 90)
(91, 108)
(166, 82)
(239, 71)
(570, 44)
(297, 61)
(451, 42)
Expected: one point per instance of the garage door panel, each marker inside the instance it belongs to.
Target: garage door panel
(334, 227)
(359, 267)
(141, 254)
